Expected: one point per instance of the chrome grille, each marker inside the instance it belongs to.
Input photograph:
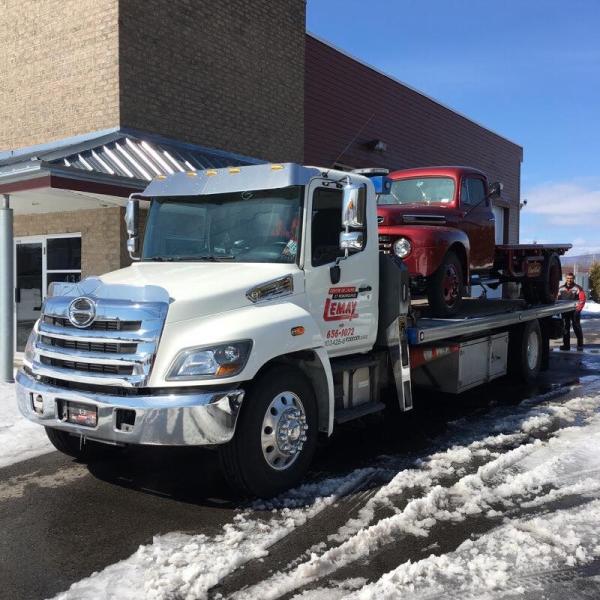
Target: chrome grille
(85, 366)
(113, 325)
(90, 346)
(116, 349)
(385, 244)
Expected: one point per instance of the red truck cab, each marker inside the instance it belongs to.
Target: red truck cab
(440, 221)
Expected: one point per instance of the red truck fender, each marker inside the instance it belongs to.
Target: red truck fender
(430, 243)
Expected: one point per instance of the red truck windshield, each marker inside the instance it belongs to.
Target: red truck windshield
(419, 190)
(252, 226)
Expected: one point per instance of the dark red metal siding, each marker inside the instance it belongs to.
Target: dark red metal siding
(341, 95)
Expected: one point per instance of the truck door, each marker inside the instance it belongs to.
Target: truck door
(346, 311)
(478, 222)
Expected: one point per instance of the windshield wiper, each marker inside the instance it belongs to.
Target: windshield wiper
(201, 258)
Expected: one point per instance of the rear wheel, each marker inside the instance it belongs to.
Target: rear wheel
(276, 435)
(75, 446)
(445, 288)
(545, 288)
(526, 351)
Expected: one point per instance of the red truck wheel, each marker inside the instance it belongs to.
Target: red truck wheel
(445, 288)
(545, 289)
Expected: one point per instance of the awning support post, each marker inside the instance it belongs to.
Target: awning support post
(7, 292)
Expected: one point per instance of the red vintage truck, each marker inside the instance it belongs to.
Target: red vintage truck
(440, 221)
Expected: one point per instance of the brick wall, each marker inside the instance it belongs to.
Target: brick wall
(227, 75)
(58, 70)
(101, 240)
(342, 96)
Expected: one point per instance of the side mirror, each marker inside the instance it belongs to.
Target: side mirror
(353, 207)
(132, 220)
(352, 241)
(132, 217)
(495, 190)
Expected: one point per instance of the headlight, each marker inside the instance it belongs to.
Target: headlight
(29, 353)
(402, 247)
(209, 362)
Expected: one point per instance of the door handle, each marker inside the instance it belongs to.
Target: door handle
(365, 288)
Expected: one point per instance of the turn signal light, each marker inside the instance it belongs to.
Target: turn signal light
(299, 330)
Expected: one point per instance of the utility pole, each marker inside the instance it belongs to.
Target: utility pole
(7, 292)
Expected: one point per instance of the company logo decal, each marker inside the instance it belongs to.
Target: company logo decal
(341, 304)
(82, 311)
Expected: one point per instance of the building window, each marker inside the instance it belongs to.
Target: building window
(63, 259)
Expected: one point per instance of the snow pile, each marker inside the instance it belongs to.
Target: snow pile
(591, 308)
(19, 438)
(501, 471)
(516, 470)
(187, 566)
(500, 560)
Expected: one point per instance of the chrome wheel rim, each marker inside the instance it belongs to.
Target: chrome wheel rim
(283, 431)
(450, 285)
(533, 350)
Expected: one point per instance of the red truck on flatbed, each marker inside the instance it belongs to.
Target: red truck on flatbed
(440, 221)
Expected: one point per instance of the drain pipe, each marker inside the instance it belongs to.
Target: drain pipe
(7, 291)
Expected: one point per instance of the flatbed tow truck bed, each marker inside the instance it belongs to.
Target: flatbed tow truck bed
(478, 316)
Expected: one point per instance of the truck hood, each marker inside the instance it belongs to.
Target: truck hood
(200, 289)
(413, 214)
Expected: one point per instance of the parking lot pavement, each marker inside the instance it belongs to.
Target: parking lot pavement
(61, 521)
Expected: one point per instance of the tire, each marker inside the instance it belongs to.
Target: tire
(446, 287)
(86, 451)
(551, 276)
(525, 352)
(255, 462)
(544, 289)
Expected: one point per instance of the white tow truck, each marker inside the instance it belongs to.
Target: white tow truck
(258, 315)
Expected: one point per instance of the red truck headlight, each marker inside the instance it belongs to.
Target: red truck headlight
(402, 247)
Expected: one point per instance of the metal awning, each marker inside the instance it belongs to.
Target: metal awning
(118, 153)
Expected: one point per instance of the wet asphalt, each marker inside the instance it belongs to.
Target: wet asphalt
(61, 520)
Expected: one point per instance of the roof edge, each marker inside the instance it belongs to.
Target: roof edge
(410, 87)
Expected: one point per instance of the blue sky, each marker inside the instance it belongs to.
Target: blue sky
(528, 69)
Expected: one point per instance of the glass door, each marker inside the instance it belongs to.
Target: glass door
(40, 261)
(29, 275)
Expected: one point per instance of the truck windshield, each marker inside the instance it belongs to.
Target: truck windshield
(251, 226)
(419, 190)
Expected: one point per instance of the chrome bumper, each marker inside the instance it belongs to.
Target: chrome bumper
(172, 420)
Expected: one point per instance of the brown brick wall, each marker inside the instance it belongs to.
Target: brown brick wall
(101, 240)
(342, 95)
(58, 69)
(226, 74)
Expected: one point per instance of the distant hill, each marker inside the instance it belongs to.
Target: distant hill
(582, 262)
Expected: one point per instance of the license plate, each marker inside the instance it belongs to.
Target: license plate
(81, 414)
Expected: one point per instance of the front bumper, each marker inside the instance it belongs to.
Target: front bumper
(177, 419)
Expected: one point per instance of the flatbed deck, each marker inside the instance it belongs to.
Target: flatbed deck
(479, 316)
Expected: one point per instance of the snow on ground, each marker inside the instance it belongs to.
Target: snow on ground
(590, 309)
(19, 438)
(528, 475)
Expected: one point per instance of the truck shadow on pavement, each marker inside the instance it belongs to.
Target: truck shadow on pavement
(192, 475)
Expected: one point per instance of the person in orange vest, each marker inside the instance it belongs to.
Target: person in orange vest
(571, 291)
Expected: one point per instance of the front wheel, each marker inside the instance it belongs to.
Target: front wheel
(276, 435)
(445, 288)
